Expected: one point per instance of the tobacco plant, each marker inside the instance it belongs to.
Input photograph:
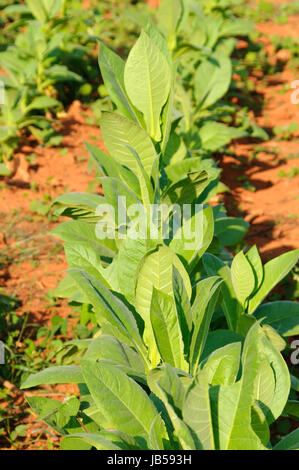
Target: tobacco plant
(52, 59)
(202, 37)
(186, 356)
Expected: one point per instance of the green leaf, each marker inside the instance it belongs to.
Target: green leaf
(230, 230)
(109, 308)
(187, 190)
(232, 404)
(75, 231)
(292, 408)
(156, 271)
(207, 292)
(119, 132)
(158, 436)
(54, 375)
(264, 388)
(148, 80)
(289, 442)
(67, 289)
(60, 416)
(112, 68)
(130, 254)
(274, 271)
(166, 329)
(212, 79)
(219, 338)
(100, 443)
(166, 385)
(124, 404)
(52, 7)
(214, 135)
(110, 348)
(282, 315)
(259, 424)
(183, 308)
(231, 306)
(83, 256)
(194, 237)
(236, 27)
(282, 381)
(79, 206)
(197, 411)
(169, 16)
(4, 171)
(38, 10)
(255, 261)
(105, 162)
(277, 341)
(242, 277)
(222, 366)
(114, 189)
(42, 102)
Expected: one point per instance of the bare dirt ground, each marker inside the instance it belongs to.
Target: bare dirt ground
(273, 207)
(32, 261)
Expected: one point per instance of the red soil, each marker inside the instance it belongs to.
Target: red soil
(273, 209)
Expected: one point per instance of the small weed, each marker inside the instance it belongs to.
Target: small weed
(290, 174)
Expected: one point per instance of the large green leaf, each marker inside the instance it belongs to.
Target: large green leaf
(166, 384)
(75, 231)
(212, 79)
(274, 271)
(195, 236)
(124, 404)
(99, 442)
(230, 230)
(148, 80)
(282, 315)
(38, 10)
(231, 306)
(118, 133)
(243, 279)
(110, 167)
(130, 254)
(109, 308)
(214, 135)
(203, 307)
(169, 16)
(166, 329)
(54, 375)
(112, 68)
(110, 348)
(183, 308)
(289, 442)
(187, 190)
(222, 366)
(156, 271)
(275, 407)
(79, 206)
(82, 255)
(197, 411)
(232, 404)
(255, 261)
(158, 437)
